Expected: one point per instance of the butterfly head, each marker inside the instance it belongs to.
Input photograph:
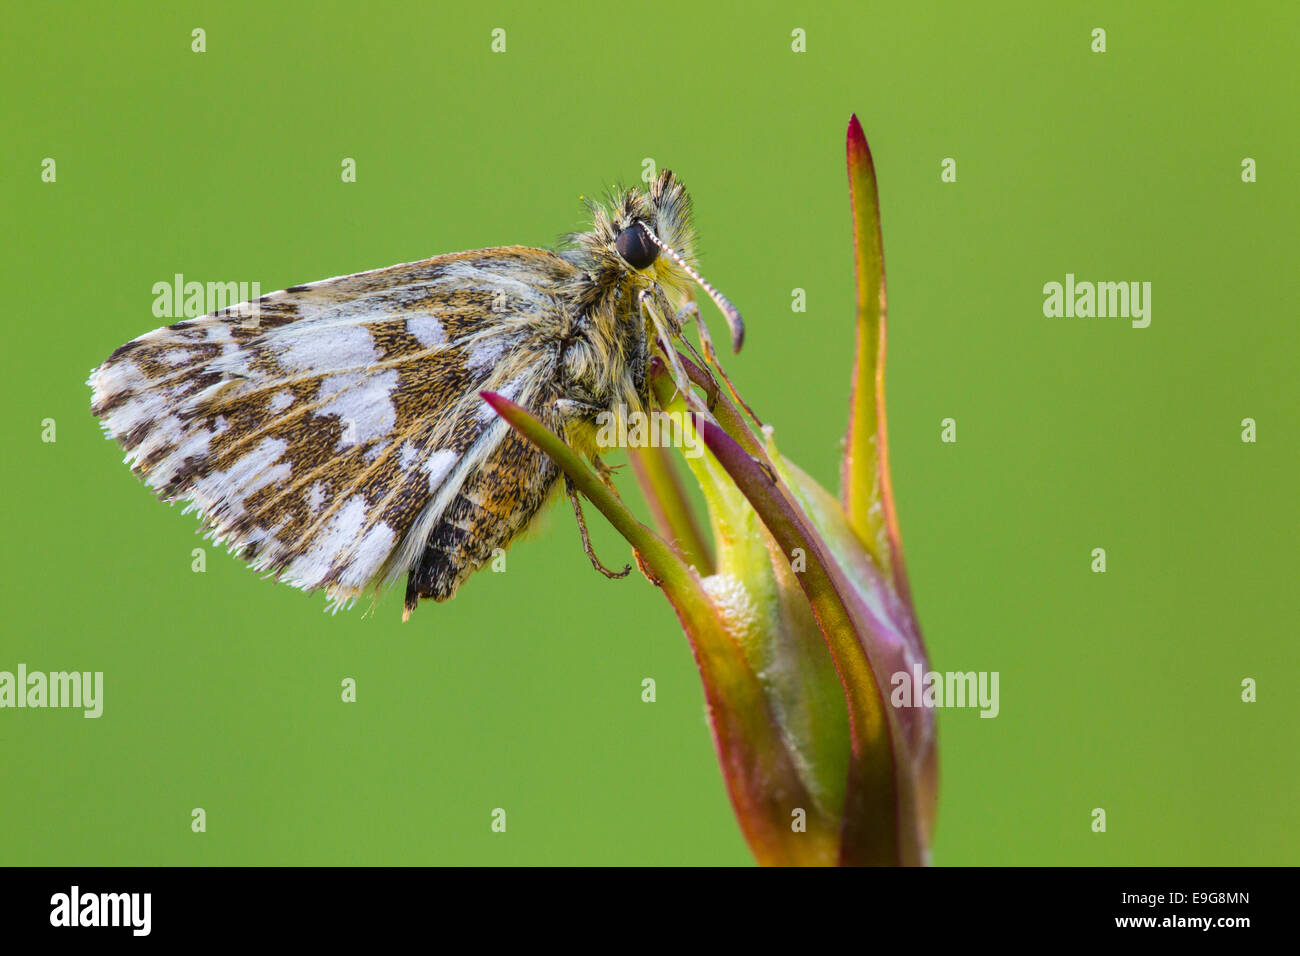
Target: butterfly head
(644, 240)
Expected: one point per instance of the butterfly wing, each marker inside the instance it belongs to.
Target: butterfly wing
(323, 432)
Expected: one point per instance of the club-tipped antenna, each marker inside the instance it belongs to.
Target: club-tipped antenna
(729, 311)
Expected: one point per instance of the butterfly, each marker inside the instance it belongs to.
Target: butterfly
(333, 434)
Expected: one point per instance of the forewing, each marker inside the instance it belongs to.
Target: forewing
(319, 431)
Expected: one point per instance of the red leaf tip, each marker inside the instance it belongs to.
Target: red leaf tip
(856, 141)
(498, 402)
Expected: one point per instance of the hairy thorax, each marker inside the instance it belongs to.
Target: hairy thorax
(604, 362)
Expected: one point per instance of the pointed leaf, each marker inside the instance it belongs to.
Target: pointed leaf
(867, 492)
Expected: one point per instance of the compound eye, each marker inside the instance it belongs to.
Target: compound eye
(635, 247)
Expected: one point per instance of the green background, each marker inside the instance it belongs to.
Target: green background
(1119, 691)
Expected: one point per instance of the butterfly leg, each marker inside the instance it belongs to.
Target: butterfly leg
(572, 491)
(606, 472)
(690, 310)
(667, 330)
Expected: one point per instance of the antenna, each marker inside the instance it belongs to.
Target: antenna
(729, 311)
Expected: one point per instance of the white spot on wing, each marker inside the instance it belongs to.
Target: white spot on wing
(438, 465)
(316, 496)
(345, 531)
(229, 489)
(162, 432)
(316, 348)
(427, 329)
(177, 356)
(146, 405)
(195, 445)
(485, 355)
(368, 556)
(362, 401)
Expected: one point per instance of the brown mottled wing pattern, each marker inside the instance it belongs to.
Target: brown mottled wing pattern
(332, 434)
(492, 506)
